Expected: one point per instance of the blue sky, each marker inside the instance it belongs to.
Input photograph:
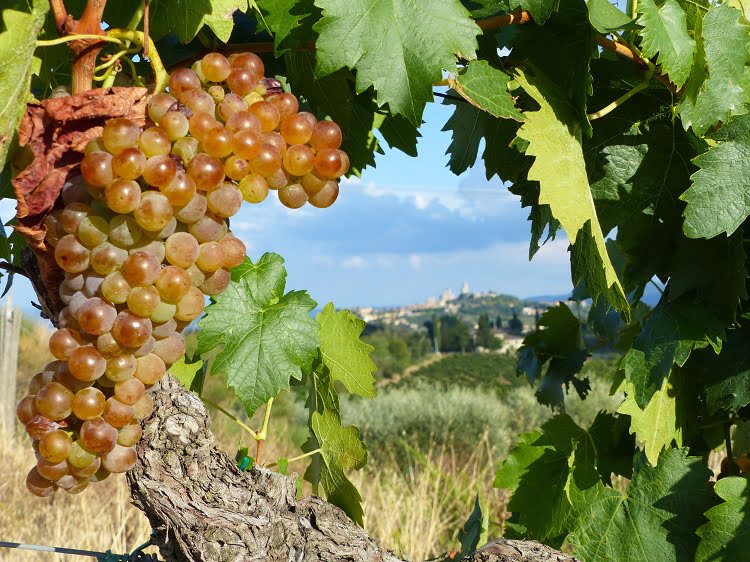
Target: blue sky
(403, 232)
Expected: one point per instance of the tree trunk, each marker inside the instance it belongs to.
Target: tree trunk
(202, 508)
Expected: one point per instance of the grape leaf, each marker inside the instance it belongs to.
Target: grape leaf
(283, 17)
(540, 216)
(665, 33)
(384, 40)
(564, 185)
(191, 375)
(655, 518)
(485, 87)
(346, 356)
(341, 449)
(670, 334)
(715, 89)
(187, 17)
(655, 425)
(474, 532)
(17, 44)
(540, 9)
(726, 536)
(605, 17)
(266, 336)
(398, 133)
(717, 201)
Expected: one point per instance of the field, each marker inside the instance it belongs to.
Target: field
(434, 439)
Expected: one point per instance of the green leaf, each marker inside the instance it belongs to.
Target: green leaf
(665, 33)
(341, 449)
(564, 184)
(283, 17)
(486, 88)
(474, 532)
(186, 17)
(718, 200)
(716, 88)
(398, 133)
(667, 338)
(346, 356)
(540, 9)
(189, 374)
(726, 536)
(655, 425)
(384, 40)
(605, 17)
(266, 337)
(17, 44)
(655, 518)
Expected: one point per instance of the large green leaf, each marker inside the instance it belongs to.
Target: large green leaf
(726, 536)
(486, 88)
(715, 90)
(17, 44)
(564, 186)
(346, 356)
(665, 33)
(605, 17)
(266, 337)
(718, 201)
(340, 449)
(474, 532)
(283, 18)
(384, 40)
(539, 9)
(654, 518)
(186, 17)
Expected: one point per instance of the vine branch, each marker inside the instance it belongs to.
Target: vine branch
(60, 13)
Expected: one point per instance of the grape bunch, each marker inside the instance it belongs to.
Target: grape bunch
(143, 236)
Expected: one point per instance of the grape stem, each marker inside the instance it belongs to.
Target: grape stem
(298, 458)
(75, 37)
(231, 416)
(623, 98)
(161, 75)
(263, 431)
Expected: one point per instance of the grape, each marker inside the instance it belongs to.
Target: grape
(88, 403)
(150, 368)
(173, 283)
(326, 134)
(93, 231)
(92, 284)
(328, 162)
(175, 124)
(66, 319)
(119, 459)
(154, 211)
(144, 407)
(245, 144)
(210, 256)
(197, 277)
(286, 103)
(267, 161)
(215, 67)
(236, 168)
(124, 231)
(293, 196)
(131, 330)
(108, 346)
(119, 133)
(225, 201)
(183, 80)
(129, 165)
(64, 341)
(312, 183)
(277, 180)
(146, 348)
(130, 391)
(254, 188)
(194, 210)
(75, 303)
(25, 410)
(75, 280)
(54, 228)
(72, 215)
(275, 139)
(206, 229)
(86, 364)
(243, 121)
(234, 251)
(71, 255)
(190, 306)
(55, 446)
(182, 249)
(186, 148)
(299, 160)
(96, 168)
(159, 105)
(229, 105)
(122, 195)
(66, 378)
(130, 434)
(297, 129)
(96, 317)
(143, 300)
(106, 258)
(218, 142)
(267, 114)
(38, 485)
(97, 436)
(201, 123)
(164, 329)
(159, 171)
(170, 349)
(116, 413)
(141, 268)
(326, 196)
(115, 288)
(250, 61)
(121, 367)
(216, 282)
(51, 471)
(163, 312)
(199, 101)
(344, 164)
(87, 471)
(54, 401)
(207, 171)
(242, 81)
(154, 141)
(154, 247)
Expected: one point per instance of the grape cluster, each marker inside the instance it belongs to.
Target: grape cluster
(143, 236)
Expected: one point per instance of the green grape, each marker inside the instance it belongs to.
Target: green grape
(236, 168)
(153, 247)
(122, 196)
(108, 346)
(164, 312)
(254, 188)
(158, 105)
(225, 201)
(119, 134)
(280, 178)
(93, 231)
(190, 306)
(71, 255)
(115, 288)
(130, 434)
(215, 67)
(293, 196)
(150, 369)
(182, 249)
(312, 183)
(107, 258)
(121, 367)
(193, 211)
(175, 124)
(141, 268)
(87, 471)
(143, 300)
(170, 349)
(72, 215)
(173, 283)
(167, 231)
(155, 141)
(159, 171)
(196, 276)
(186, 148)
(326, 196)
(96, 168)
(124, 231)
(129, 164)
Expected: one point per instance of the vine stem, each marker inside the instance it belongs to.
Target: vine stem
(75, 37)
(623, 98)
(60, 13)
(297, 458)
(232, 417)
(263, 434)
(161, 75)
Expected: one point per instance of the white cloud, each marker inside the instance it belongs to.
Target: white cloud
(354, 262)
(415, 261)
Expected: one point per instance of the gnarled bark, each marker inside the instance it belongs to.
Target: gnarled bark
(202, 508)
